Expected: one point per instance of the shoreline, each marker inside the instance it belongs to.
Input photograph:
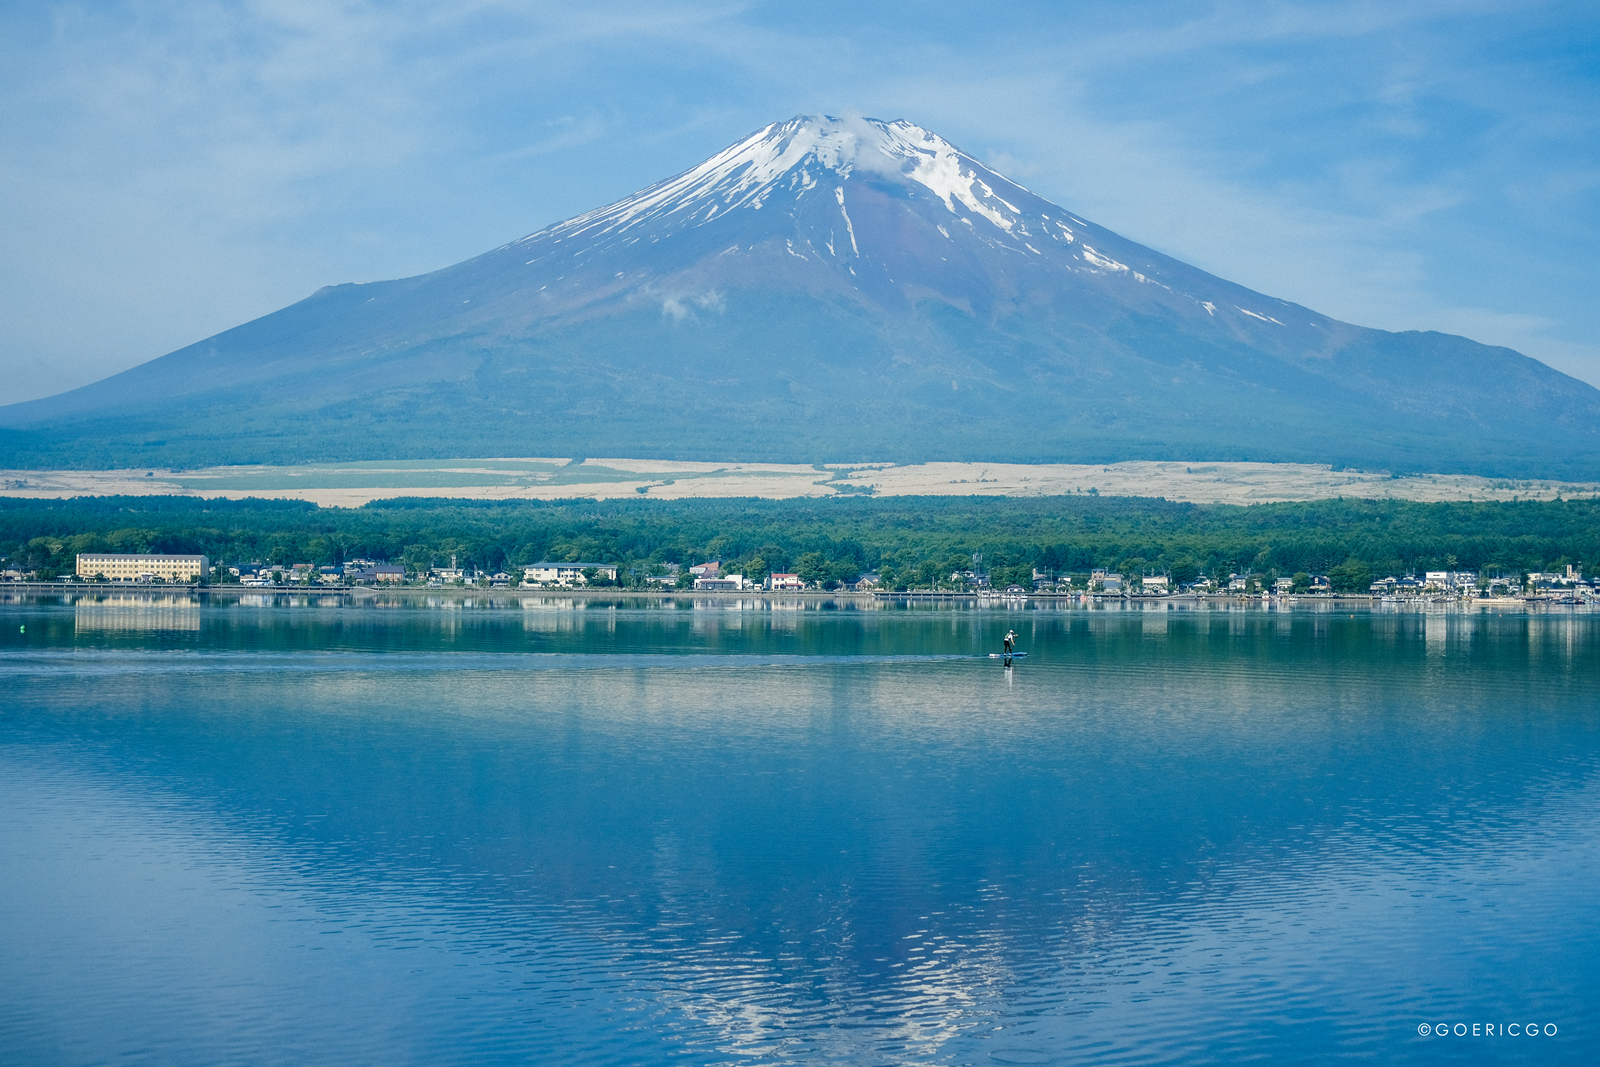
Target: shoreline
(355, 595)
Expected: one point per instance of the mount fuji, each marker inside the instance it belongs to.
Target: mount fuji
(824, 290)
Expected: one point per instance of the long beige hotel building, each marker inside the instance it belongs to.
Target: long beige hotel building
(135, 568)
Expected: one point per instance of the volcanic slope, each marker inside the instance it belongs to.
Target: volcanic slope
(824, 290)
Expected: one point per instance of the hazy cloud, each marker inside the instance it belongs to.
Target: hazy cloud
(680, 307)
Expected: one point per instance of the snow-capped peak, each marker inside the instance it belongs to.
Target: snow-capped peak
(796, 156)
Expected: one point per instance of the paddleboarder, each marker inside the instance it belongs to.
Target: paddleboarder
(1011, 642)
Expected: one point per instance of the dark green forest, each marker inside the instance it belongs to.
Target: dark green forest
(911, 541)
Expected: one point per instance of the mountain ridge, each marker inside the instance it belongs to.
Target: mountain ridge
(826, 289)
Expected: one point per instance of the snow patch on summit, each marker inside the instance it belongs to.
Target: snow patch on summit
(942, 168)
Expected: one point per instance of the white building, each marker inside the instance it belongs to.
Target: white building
(1544, 579)
(143, 567)
(1450, 579)
(566, 573)
(730, 583)
(785, 582)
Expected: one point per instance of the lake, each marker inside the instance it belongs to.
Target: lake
(496, 830)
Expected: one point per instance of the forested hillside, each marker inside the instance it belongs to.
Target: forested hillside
(910, 541)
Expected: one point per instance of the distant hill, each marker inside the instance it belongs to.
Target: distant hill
(824, 290)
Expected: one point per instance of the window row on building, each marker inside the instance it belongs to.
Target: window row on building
(142, 567)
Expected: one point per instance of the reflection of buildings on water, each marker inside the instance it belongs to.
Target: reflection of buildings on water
(728, 604)
(1435, 632)
(549, 614)
(551, 622)
(139, 613)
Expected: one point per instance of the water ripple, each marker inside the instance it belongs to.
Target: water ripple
(872, 850)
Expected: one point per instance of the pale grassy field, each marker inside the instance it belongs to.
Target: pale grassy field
(354, 484)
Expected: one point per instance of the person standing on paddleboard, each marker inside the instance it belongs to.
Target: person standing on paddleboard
(1011, 641)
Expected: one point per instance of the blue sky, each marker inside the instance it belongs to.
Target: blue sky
(170, 170)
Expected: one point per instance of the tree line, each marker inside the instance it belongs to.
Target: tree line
(911, 542)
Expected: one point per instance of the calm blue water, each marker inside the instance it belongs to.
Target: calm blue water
(545, 832)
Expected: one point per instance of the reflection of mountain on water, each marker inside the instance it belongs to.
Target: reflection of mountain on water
(825, 837)
(139, 613)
